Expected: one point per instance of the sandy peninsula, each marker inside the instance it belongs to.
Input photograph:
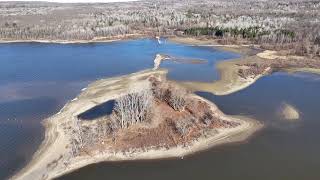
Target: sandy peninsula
(54, 157)
(255, 63)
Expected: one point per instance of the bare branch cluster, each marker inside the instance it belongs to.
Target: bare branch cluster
(175, 96)
(183, 125)
(183, 116)
(178, 99)
(134, 107)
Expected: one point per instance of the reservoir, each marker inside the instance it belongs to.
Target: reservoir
(36, 80)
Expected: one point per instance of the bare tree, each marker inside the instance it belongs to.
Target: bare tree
(89, 135)
(178, 98)
(162, 91)
(76, 137)
(77, 132)
(134, 107)
(207, 118)
(183, 125)
(105, 126)
(174, 96)
(272, 24)
(74, 148)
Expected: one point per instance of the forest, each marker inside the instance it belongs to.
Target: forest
(291, 24)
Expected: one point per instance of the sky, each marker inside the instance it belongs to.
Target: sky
(75, 1)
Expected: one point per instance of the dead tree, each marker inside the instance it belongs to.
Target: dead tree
(76, 139)
(74, 148)
(178, 98)
(161, 91)
(133, 107)
(77, 134)
(207, 118)
(89, 136)
(103, 127)
(183, 125)
(174, 96)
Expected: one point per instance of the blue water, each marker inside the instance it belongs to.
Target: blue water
(36, 80)
(22, 62)
(98, 111)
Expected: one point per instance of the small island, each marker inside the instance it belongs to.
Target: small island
(132, 117)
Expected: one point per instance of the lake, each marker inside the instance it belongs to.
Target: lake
(36, 80)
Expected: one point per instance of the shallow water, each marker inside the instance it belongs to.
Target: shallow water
(98, 111)
(283, 150)
(36, 80)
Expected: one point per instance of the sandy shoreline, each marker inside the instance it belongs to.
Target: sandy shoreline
(56, 41)
(48, 161)
(94, 40)
(240, 49)
(230, 81)
(242, 133)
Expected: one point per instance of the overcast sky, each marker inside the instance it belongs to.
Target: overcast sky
(75, 1)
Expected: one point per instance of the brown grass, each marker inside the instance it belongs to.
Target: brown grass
(161, 131)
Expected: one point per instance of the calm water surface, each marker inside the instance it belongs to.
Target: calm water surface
(36, 80)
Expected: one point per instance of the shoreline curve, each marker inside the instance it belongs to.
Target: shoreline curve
(230, 81)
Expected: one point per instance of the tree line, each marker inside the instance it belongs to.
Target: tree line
(268, 23)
